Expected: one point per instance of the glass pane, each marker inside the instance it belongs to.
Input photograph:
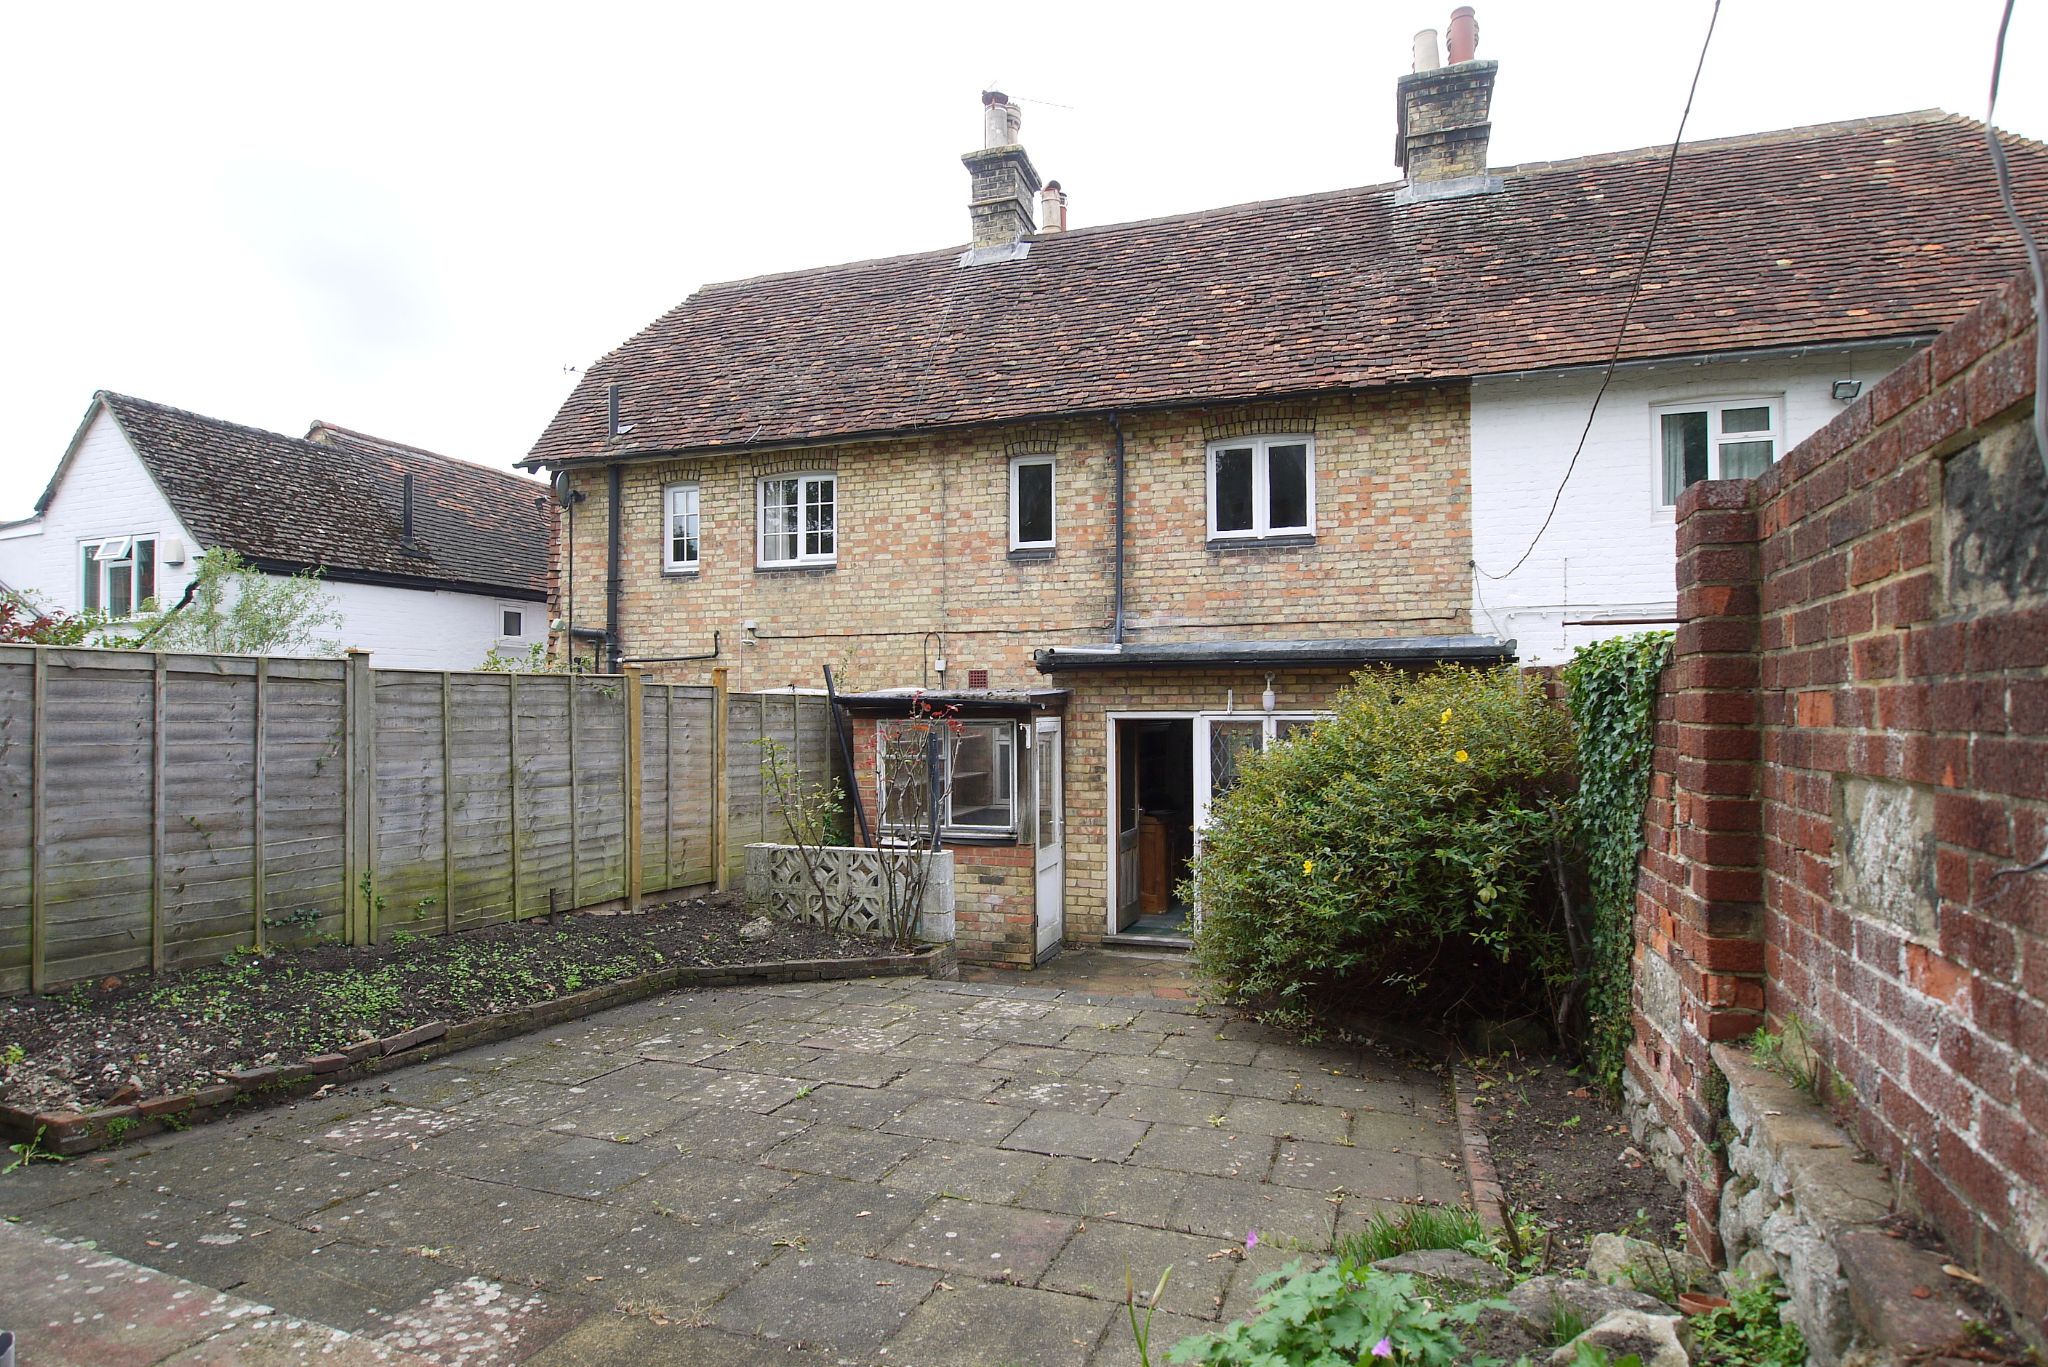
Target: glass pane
(89, 597)
(906, 776)
(1744, 459)
(1287, 487)
(120, 590)
(1034, 503)
(778, 519)
(513, 625)
(981, 775)
(1288, 726)
(1229, 743)
(1746, 419)
(1048, 783)
(818, 517)
(1685, 452)
(145, 572)
(1234, 490)
(682, 526)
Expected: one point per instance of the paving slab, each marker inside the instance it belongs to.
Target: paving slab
(945, 1117)
(476, 1322)
(737, 1136)
(842, 1299)
(1084, 1097)
(1362, 1171)
(860, 1108)
(836, 1151)
(757, 1092)
(1288, 1119)
(1072, 1186)
(1095, 1263)
(987, 1325)
(1212, 1149)
(971, 1172)
(1061, 1134)
(974, 1239)
(1283, 1217)
(703, 1191)
(350, 1285)
(833, 1213)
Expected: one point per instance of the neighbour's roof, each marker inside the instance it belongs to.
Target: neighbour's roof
(1356, 650)
(335, 501)
(1877, 228)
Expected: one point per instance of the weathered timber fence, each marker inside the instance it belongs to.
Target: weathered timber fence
(157, 809)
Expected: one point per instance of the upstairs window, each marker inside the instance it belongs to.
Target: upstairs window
(117, 575)
(799, 520)
(511, 623)
(1031, 515)
(679, 523)
(1733, 440)
(1262, 486)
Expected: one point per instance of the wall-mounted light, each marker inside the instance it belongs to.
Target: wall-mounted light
(1845, 390)
(1267, 697)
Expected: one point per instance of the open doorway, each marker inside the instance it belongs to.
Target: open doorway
(1155, 809)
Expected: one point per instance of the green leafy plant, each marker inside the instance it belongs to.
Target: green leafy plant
(11, 1055)
(1415, 1227)
(1612, 690)
(1335, 1316)
(29, 1151)
(1790, 1053)
(1394, 855)
(1749, 1331)
(233, 608)
(537, 658)
(1141, 1330)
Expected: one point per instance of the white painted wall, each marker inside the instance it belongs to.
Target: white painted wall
(108, 492)
(1609, 552)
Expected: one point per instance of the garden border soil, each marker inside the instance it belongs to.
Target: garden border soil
(69, 1133)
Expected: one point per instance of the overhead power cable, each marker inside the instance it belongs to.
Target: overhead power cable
(1628, 309)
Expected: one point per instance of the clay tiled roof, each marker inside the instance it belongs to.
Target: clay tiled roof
(335, 502)
(1841, 232)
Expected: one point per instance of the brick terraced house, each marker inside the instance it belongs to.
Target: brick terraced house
(1140, 498)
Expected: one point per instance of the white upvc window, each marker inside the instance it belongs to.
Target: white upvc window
(679, 522)
(977, 771)
(1718, 439)
(1032, 521)
(117, 575)
(1262, 486)
(799, 520)
(511, 622)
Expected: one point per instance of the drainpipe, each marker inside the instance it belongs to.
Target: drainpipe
(1116, 426)
(613, 575)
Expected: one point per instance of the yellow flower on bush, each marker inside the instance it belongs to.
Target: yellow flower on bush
(1462, 757)
(1308, 866)
(1445, 719)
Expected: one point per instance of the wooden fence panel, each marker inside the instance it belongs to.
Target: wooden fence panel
(95, 875)
(411, 867)
(546, 844)
(17, 818)
(599, 744)
(305, 881)
(684, 837)
(480, 716)
(209, 823)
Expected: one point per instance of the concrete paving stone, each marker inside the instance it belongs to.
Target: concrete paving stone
(199, 1171)
(558, 1062)
(1288, 1119)
(1133, 1070)
(1285, 1217)
(985, 1325)
(975, 1239)
(859, 1038)
(703, 1191)
(1172, 1106)
(1097, 1040)
(1216, 1151)
(628, 1118)
(842, 1299)
(743, 1091)
(968, 1082)
(441, 1090)
(1065, 1134)
(1403, 1097)
(1083, 1097)
(947, 1117)
(638, 1079)
(1046, 1034)
(721, 1132)
(1107, 1016)
(1119, 1346)
(835, 1151)
(519, 1103)
(1248, 1080)
(1403, 1133)
(475, 1149)
(587, 1249)
(968, 1172)
(1035, 1061)
(696, 1045)
(73, 1306)
(272, 1341)
(1251, 1031)
(387, 1130)
(945, 1048)
(1009, 1009)
(476, 1322)
(858, 1108)
(1200, 1046)
(833, 1213)
(432, 1209)
(1171, 1020)
(781, 1060)
(1073, 1186)
(571, 1164)
(343, 1284)
(309, 1182)
(1095, 1263)
(850, 1069)
(611, 1339)
(1363, 1171)
(870, 1015)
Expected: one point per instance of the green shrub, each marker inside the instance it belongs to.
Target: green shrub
(1392, 856)
(1748, 1332)
(1612, 686)
(1333, 1315)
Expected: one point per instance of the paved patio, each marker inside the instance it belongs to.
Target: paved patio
(875, 1172)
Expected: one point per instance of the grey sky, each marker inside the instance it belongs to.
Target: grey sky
(409, 218)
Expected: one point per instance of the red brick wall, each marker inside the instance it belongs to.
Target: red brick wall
(1852, 744)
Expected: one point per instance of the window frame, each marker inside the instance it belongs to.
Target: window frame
(669, 563)
(97, 572)
(512, 610)
(1262, 488)
(804, 480)
(1051, 463)
(1713, 406)
(951, 829)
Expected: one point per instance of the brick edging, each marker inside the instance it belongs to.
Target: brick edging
(1489, 1201)
(70, 1133)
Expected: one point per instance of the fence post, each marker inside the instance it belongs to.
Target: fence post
(636, 701)
(512, 784)
(575, 806)
(357, 807)
(719, 783)
(158, 679)
(256, 894)
(447, 803)
(38, 854)
(668, 787)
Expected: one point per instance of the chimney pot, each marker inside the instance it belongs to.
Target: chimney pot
(1464, 35)
(1426, 58)
(1052, 208)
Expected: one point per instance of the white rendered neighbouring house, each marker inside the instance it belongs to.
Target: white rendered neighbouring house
(431, 562)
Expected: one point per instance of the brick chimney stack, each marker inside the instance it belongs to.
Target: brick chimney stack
(1004, 180)
(1442, 126)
